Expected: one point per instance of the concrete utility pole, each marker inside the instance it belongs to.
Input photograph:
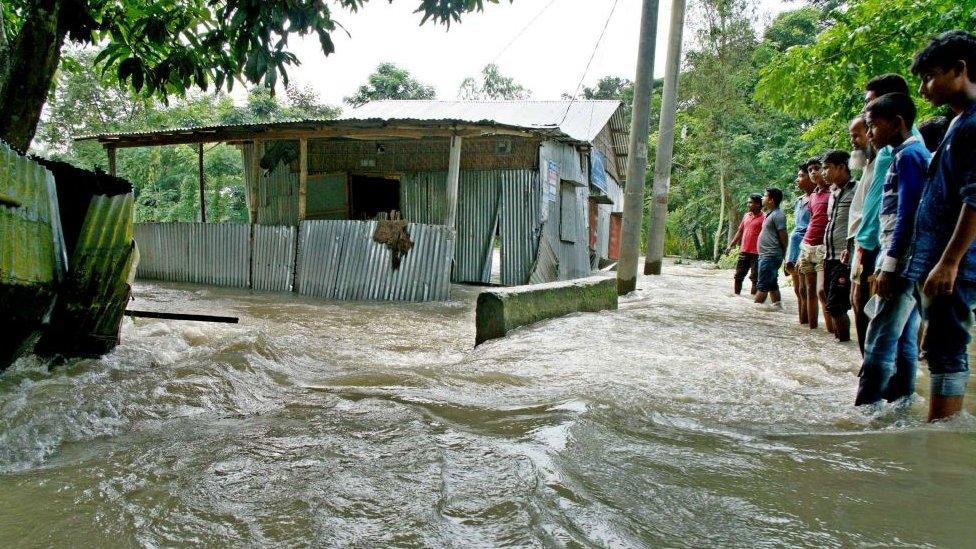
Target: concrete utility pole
(637, 152)
(658, 216)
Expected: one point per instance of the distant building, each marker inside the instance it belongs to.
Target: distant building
(538, 180)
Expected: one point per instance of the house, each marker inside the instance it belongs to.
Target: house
(537, 180)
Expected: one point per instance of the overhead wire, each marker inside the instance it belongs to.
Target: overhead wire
(586, 70)
(521, 32)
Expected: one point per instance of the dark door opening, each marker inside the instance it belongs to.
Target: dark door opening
(369, 196)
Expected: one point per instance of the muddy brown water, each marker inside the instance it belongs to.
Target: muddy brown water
(686, 419)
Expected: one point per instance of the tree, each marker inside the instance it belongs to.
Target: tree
(163, 48)
(868, 38)
(389, 81)
(164, 178)
(493, 86)
(794, 28)
(727, 145)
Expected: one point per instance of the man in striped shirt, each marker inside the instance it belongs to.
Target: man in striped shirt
(837, 274)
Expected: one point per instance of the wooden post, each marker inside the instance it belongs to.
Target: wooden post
(453, 174)
(203, 199)
(302, 176)
(111, 161)
(255, 168)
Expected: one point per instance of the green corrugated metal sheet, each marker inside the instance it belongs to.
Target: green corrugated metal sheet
(89, 310)
(32, 259)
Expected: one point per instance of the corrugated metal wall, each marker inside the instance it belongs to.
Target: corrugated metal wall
(336, 259)
(506, 200)
(422, 197)
(35, 251)
(340, 260)
(477, 221)
(277, 192)
(273, 264)
(203, 253)
(519, 224)
(573, 257)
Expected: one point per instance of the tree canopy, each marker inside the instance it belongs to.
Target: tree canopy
(492, 85)
(164, 179)
(389, 81)
(164, 48)
(823, 81)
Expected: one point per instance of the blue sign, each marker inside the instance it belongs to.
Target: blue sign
(598, 173)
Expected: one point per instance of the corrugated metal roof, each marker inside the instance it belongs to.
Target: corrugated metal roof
(581, 120)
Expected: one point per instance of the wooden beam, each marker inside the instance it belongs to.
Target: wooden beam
(112, 166)
(302, 176)
(255, 168)
(453, 176)
(203, 199)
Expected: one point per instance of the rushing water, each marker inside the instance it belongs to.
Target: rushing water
(686, 418)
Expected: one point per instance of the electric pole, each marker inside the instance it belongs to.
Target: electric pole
(637, 151)
(657, 218)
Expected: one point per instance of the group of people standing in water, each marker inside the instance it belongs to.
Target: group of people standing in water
(897, 244)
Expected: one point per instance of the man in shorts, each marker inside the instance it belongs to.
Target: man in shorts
(748, 236)
(813, 250)
(772, 247)
(801, 218)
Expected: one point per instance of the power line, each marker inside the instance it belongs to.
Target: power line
(522, 31)
(590, 61)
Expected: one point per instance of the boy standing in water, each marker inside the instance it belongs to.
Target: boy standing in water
(812, 249)
(748, 235)
(837, 273)
(890, 350)
(772, 247)
(943, 260)
(801, 217)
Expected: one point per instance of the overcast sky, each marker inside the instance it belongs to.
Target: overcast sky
(548, 57)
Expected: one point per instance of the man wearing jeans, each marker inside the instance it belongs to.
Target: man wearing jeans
(891, 346)
(772, 246)
(944, 253)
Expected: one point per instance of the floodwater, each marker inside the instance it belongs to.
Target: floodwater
(685, 419)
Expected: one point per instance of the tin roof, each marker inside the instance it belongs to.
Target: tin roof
(581, 120)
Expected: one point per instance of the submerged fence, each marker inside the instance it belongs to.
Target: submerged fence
(332, 259)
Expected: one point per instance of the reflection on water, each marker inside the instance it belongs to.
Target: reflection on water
(687, 418)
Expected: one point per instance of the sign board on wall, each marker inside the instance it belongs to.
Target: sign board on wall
(598, 173)
(550, 188)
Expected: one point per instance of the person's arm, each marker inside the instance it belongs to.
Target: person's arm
(737, 238)
(782, 239)
(942, 278)
(911, 179)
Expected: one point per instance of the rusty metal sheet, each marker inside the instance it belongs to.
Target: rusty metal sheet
(273, 264)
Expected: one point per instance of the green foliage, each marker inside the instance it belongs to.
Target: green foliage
(165, 178)
(389, 81)
(823, 81)
(492, 86)
(794, 28)
(165, 48)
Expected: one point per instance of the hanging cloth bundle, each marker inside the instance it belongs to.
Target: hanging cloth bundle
(394, 234)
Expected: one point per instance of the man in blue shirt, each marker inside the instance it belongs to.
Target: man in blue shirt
(801, 218)
(866, 236)
(891, 349)
(943, 260)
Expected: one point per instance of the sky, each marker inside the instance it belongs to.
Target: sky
(543, 44)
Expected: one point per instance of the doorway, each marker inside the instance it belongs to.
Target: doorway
(371, 195)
